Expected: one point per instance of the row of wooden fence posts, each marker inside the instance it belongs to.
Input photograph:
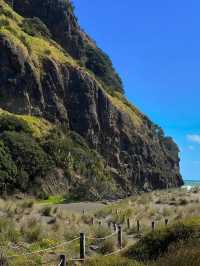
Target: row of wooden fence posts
(138, 224)
(63, 258)
(128, 223)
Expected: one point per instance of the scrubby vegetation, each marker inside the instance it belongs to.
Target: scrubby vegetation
(31, 147)
(27, 225)
(112, 261)
(156, 243)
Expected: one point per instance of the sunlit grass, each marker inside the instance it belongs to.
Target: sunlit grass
(39, 127)
(53, 200)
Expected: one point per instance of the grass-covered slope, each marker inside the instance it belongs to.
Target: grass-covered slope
(31, 35)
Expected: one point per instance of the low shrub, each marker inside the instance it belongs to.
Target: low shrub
(27, 204)
(71, 233)
(100, 231)
(111, 261)
(32, 231)
(108, 246)
(35, 27)
(46, 211)
(181, 254)
(154, 244)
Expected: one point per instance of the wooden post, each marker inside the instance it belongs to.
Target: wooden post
(166, 222)
(82, 246)
(153, 225)
(92, 221)
(109, 224)
(62, 260)
(114, 227)
(119, 237)
(138, 226)
(128, 223)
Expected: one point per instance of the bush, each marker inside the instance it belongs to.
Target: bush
(12, 123)
(8, 230)
(71, 233)
(46, 211)
(100, 231)
(156, 243)
(108, 246)
(29, 157)
(181, 254)
(32, 231)
(29, 149)
(4, 22)
(183, 202)
(8, 168)
(35, 27)
(27, 204)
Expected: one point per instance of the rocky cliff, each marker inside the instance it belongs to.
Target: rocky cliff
(52, 71)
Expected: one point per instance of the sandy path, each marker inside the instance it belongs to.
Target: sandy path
(79, 207)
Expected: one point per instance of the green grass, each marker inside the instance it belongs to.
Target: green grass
(119, 101)
(52, 200)
(37, 126)
(35, 47)
(111, 261)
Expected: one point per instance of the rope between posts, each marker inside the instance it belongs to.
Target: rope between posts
(110, 254)
(101, 238)
(44, 250)
(77, 259)
(115, 252)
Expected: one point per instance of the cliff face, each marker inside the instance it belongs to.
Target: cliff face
(59, 17)
(50, 68)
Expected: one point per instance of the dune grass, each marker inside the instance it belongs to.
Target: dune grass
(111, 261)
(156, 243)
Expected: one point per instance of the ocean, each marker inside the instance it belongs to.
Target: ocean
(192, 183)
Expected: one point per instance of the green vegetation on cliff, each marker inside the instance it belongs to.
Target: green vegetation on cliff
(31, 147)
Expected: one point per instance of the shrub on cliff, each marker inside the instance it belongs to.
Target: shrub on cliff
(8, 169)
(35, 27)
(28, 157)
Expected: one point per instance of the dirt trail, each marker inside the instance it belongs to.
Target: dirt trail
(79, 207)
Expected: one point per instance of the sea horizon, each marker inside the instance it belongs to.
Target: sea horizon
(191, 182)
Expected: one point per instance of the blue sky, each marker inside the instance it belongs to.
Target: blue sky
(155, 47)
